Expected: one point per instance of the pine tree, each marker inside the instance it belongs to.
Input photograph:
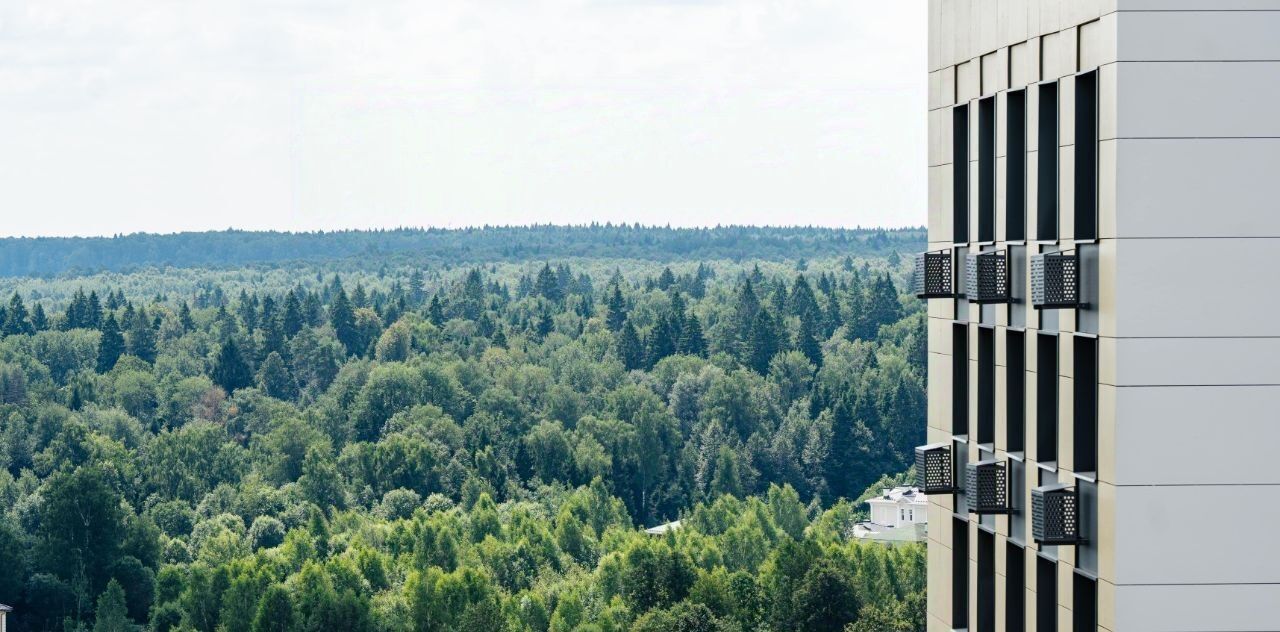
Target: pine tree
(230, 371)
(16, 321)
(616, 310)
(111, 346)
(629, 348)
(112, 614)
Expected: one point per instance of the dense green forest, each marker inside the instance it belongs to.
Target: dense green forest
(56, 255)
(371, 444)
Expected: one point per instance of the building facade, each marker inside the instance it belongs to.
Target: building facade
(1104, 313)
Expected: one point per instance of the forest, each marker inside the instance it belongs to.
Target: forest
(382, 443)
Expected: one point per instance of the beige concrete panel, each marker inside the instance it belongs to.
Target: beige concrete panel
(1070, 43)
(1097, 44)
(1106, 605)
(1002, 129)
(1067, 110)
(939, 580)
(1107, 302)
(1033, 134)
(939, 405)
(967, 82)
(935, 624)
(947, 35)
(940, 204)
(963, 26)
(1002, 415)
(1014, 14)
(993, 75)
(939, 336)
(940, 126)
(1051, 57)
(1066, 408)
(1033, 20)
(1001, 204)
(1107, 95)
(935, 89)
(1051, 15)
(948, 94)
(935, 34)
(1106, 433)
(942, 308)
(988, 23)
(1106, 538)
(1020, 65)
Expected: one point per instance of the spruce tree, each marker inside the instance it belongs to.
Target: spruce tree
(230, 371)
(343, 319)
(184, 317)
(292, 320)
(616, 310)
(111, 345)
(39, 321)
(142, 338)
(274, 378)
(762, 344)
(629, 348)
(93, 310)
(807, 340)
(692, 342)
(435, 311)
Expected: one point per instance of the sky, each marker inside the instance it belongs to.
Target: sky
(145, 116)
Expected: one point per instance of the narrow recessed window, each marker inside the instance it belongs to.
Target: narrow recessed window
(1085, 404)
(960, 574)
(1015, 588)
(1086, 153)
(960, 173)
(986, 385)
(1047, 163)
(986, 582)
(987, 169)
(960, 379)
(1046, 595)
(1084, 606)
(1015, 178)
(1015, 391)
(1046, 398)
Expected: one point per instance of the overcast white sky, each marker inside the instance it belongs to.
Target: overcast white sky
(140, 115)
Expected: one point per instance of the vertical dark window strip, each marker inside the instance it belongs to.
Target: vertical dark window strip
(986, 587)
(987, 169)
(960, 573)
(1084, 606)
(986, 385)
(1015, 391)
(1046, 398)
(1085, 404)
(1047, 163)
(960, 173)
(1046, 595)
(1086, 156)
(1015, 180)
(960, 379)
(1015, 588)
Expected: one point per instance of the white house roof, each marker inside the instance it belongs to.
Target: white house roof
(663, 528)
(901, 495)
(4, 608)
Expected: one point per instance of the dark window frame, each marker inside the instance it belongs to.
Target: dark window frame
(986, 588)
(1015, 588)
(1046, 595)
(1084, 603)
(1015, 180)
(987, 170)
(1048, 136)
(986, 431)
(960, 573)
(1086, 156)
(1015, 391)
(960, 173)
(960, 379)
(1084, 406)
(1047, 397)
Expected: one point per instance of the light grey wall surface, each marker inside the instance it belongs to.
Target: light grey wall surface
(1197, 99)
(1197, 534)
(1212, 35)
(1211, 187)
(1243, 608)
(1196, 287)
(1198, 435)
(1196, 361)
(1193, 5)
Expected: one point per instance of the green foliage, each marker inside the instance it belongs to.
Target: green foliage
(374, 444)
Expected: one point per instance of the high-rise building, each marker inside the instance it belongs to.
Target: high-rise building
(1104, 315)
